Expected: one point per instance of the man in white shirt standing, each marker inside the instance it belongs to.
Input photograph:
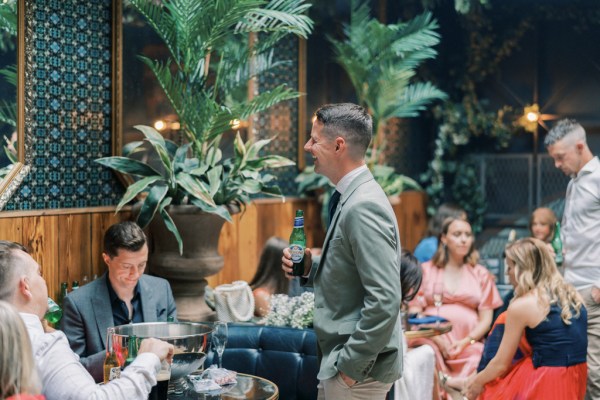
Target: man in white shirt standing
(62, 376)
(567, 145)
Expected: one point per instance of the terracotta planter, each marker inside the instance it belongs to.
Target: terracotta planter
(187, 273)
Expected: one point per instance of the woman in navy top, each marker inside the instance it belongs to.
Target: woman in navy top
(551, 314)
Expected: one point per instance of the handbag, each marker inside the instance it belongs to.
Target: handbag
(234, 302)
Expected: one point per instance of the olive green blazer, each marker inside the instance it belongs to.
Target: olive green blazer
(357, 287)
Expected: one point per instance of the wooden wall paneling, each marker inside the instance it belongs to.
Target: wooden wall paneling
(40, 235)
(313, 226)
(74, 248)
(248, 252)
(412, 218)
(12, 229)
(228, 248)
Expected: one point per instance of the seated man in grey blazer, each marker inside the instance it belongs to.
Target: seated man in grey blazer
(124, 294)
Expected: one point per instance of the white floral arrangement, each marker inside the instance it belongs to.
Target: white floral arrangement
(297, 312)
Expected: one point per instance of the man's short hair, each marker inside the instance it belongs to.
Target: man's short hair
(350, 121)
(563, 128)
(10, 268)
(126, 235)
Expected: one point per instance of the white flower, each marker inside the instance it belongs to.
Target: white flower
(296, 312)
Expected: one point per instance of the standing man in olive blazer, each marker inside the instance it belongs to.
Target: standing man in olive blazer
(123, 295)
(357, 279)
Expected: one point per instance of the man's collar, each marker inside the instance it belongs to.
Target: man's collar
(32, 322)
(589, 167)
(113, 295)
(347, 179)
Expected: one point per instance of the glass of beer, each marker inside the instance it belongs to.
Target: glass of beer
(161, 389)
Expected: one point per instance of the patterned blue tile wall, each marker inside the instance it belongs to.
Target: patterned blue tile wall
(70, 116)
(69, 90)
(281, 121)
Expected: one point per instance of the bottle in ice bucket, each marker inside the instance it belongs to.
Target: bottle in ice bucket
(132, 349)
(54, 312)
(557, 245)
(298, 244)
(112, 369)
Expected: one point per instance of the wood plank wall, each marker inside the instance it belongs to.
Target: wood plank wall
(68, 243)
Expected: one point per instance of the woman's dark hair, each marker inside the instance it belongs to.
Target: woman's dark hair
(269, 271)
(411, 276)
(445, 210)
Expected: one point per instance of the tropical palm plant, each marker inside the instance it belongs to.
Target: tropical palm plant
(381, 62)
(208, 63)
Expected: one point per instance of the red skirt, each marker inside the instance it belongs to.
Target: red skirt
(524, 382)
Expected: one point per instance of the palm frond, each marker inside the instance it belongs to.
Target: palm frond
(8, 113)
(161, 23)
(415, 98)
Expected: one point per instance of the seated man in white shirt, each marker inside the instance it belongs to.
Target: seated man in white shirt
(62, 376)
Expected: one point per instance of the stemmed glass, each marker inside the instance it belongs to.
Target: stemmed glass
(219, 339)
(438, 297)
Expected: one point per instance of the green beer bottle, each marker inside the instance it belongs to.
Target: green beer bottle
(132, 349)
(298, 244)
(54, 312)
(557, 245)
(64, 288)
(75, 285)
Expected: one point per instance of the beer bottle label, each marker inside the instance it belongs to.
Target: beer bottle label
(115, 373)
(297, 252)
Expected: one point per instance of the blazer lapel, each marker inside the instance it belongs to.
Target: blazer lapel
(148, 301)
(100, 304)
(356, 183)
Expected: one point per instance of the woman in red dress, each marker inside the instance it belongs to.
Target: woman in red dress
(551, 314)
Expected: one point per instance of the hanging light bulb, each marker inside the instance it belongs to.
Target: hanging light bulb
(530, 118)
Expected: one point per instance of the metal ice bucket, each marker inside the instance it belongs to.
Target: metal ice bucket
(189, 339)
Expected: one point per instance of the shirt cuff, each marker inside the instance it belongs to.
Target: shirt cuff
(147, 360)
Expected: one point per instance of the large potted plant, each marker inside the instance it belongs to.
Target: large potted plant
(192, 185)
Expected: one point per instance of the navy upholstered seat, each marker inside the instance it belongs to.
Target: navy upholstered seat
(285, 356)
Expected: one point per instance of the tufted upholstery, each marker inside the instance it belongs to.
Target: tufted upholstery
(285, 356)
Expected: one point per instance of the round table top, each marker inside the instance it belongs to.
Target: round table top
(247, 387)
(426, 331)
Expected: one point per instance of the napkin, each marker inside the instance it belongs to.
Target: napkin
(203, 385)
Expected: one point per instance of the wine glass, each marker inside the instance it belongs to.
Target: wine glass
(219, 339)
(438, 297)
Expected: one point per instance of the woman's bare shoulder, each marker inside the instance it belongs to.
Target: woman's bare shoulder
(526, 308)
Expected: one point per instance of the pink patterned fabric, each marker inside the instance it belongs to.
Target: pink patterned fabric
(476, 291)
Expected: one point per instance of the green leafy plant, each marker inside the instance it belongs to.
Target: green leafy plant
(381, 62)
(206, 67)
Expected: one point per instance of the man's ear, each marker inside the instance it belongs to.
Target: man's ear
(23, 287)
(106, 258)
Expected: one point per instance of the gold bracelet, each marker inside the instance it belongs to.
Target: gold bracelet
(472, 340)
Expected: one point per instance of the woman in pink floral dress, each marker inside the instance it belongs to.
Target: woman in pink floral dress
(469, 296)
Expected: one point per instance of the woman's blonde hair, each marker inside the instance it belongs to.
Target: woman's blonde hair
(546, 216)
(535, 269)
(441, 257)
(18, 374)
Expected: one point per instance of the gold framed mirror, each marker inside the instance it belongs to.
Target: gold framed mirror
(17, 169)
